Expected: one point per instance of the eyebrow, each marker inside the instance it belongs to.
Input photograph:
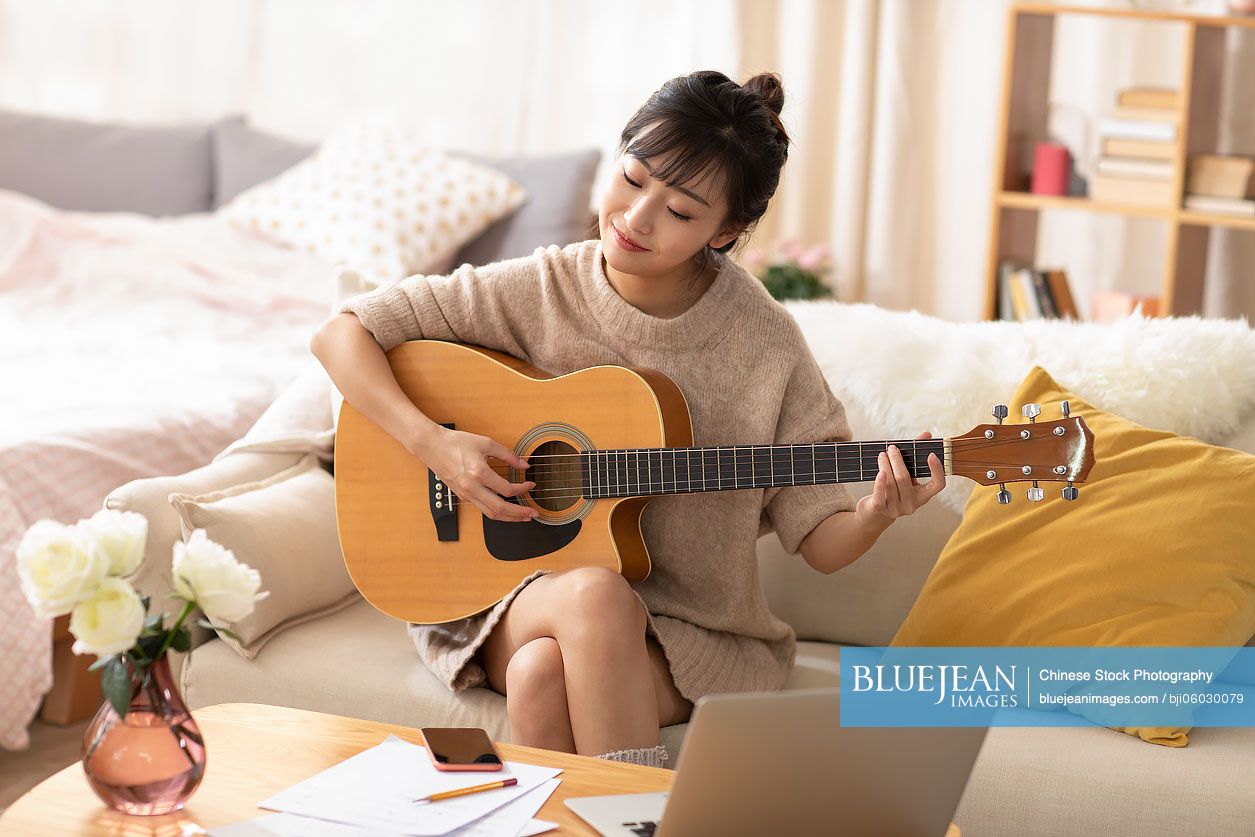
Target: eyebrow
(681, 189)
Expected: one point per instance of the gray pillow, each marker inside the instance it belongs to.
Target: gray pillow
(155, 170)
(244, 156)
(558, 188)
(556, 211)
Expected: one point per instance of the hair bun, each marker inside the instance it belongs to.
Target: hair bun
(767, 86)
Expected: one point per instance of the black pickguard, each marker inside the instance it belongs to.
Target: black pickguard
(508, 541)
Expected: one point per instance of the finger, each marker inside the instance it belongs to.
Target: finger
(937, 481)
(497, 483)
(509, 457)
(925, 435)
(901, 474)
(891, 485)
(499, 509)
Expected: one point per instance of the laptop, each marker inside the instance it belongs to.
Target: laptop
(780, 763)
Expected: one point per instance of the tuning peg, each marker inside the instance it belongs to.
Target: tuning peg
(1031, 411)
(1000, 412)
(1004, 496)
(1070, 493)
(1035, 494)
(1063, 405)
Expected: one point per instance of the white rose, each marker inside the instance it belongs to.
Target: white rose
(209, 574)
(121, 536)
(58, 567)
(109, 622)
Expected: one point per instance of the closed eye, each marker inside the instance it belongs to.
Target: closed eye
(636, 185)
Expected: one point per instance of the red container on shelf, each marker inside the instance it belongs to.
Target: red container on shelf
(1051, 162)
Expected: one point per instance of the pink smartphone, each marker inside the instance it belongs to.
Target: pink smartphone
(460, 748)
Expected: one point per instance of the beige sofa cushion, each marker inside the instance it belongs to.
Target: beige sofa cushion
(283, 526)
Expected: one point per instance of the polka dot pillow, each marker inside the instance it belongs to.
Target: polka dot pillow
(375, 200)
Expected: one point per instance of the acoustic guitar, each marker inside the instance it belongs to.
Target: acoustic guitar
(601, 442)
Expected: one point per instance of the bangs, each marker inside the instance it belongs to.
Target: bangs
(688, 158)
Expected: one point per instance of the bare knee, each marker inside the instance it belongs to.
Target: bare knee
(598, 602)
(534, 677)
(536, 701)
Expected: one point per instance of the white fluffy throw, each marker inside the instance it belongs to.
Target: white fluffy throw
(908, 372)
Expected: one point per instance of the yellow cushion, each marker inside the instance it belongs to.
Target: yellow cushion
(1159, 550)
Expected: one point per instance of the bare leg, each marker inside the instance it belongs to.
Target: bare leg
(536, 697)
(612, 682)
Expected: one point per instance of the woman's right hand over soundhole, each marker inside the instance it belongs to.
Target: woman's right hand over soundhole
(461, 460)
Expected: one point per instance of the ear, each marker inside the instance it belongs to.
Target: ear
(725, 237)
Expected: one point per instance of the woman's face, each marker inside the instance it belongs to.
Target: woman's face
(668, 224)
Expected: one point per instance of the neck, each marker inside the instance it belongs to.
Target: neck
(637, 472)
(665, 296)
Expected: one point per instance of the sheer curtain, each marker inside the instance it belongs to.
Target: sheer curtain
(892, 104)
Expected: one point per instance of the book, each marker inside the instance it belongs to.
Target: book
(1143, 129)
(1045, 299)
(1006, 311)
(1133, 190)
(1220, 176)
(1145, 149)
(1023, 280)
(1135, 167)
(1065, 306)
(1132, 114)
(1208, 203)
(1148, 97)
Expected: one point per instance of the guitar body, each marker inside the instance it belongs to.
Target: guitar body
(391, 529)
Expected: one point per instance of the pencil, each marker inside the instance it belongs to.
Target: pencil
(501, 783)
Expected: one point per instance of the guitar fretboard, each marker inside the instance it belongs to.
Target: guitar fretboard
(637, 472)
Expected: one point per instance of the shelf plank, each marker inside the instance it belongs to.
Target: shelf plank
(1028, 200)
(1195, 218)
(1138, 14)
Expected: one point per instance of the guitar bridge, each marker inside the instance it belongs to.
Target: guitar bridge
(443, 504)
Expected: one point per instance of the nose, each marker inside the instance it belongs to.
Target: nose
(637, 216)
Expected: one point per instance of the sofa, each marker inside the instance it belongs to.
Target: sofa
(360, 663)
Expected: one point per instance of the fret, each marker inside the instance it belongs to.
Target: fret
(688, 470)
(803, 464)
(620, 465)
(655, 471)
(668, 472)
(744, 467)
(710, 469)
(760, 466)
(586, 488)
(825, 464)
(782, 465)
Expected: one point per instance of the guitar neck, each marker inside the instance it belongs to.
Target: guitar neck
(637, 472)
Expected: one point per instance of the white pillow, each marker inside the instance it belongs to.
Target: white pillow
(376, 200)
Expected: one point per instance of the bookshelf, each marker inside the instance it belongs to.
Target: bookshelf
(1023, 121)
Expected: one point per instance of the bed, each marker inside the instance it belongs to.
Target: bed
(140, 334)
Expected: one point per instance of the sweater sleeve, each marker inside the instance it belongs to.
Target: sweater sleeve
(490, 306)
(809, 413)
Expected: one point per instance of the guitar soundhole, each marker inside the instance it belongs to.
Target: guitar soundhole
(556, 472)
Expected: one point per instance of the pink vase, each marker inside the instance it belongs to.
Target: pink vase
(151, 761)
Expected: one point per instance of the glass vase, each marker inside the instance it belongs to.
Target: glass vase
(151, 761)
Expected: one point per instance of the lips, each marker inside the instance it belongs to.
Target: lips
(625, 242)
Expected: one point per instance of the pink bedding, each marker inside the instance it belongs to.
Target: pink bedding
(129, 347)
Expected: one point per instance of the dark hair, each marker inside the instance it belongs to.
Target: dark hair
(710, 125)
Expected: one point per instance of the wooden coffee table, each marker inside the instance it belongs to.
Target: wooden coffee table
(256, 751)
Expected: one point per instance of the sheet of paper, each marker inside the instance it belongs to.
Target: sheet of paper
(513, 819)
(375, 790)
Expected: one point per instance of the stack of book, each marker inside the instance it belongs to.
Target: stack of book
(1025, 293)
(1221, 184)
(1138, 149)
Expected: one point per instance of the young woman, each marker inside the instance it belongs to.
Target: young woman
(587, 662)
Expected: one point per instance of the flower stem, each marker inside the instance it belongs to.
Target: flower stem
(178, 623)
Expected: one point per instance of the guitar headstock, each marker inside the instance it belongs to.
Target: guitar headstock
(1057, 450)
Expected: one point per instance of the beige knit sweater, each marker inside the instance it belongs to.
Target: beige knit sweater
(749, 378)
